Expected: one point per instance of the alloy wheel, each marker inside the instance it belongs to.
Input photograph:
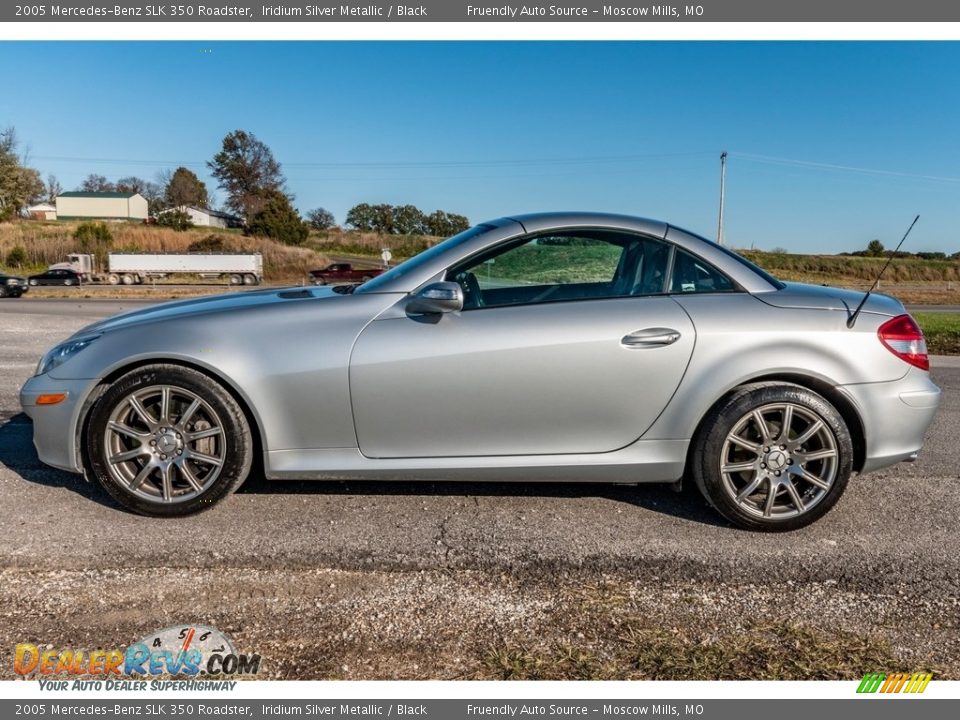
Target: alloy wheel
(779, 461)
(164, 443)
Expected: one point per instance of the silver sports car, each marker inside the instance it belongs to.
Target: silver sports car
(548, 347)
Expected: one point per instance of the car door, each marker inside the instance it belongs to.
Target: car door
(566, 344)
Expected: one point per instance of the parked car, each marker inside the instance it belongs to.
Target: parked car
(56, 277)
(578, 347)
(12, 286)
(342, 273)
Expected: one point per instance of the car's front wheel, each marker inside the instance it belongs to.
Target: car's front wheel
(773, 457)
(166, 440)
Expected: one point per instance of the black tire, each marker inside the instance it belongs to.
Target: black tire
(237, 448)
(712, 449)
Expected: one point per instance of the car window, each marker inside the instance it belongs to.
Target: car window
(564, 266)
(693, 275)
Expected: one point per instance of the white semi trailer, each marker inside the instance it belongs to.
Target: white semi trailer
(133, 268)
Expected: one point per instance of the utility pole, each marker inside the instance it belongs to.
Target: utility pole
(723, 184)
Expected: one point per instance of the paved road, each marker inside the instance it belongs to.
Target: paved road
(889, 553)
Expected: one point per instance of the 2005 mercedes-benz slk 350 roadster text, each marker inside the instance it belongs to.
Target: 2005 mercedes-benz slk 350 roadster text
(549, 347)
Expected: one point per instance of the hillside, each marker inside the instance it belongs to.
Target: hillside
(45, 243)
(854, 271)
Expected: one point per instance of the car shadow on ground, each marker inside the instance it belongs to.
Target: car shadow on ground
(687, 504)
(18, 455)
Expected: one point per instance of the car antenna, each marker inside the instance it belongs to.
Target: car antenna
(856, 313)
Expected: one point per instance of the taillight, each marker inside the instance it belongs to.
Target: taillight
(904, 338)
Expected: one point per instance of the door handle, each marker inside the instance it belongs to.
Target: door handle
(650, 337)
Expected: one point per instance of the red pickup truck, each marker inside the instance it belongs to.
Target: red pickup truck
(342, 273)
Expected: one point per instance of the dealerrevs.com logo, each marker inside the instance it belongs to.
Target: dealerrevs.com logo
(179, 650)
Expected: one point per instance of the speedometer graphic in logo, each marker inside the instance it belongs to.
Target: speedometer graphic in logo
(181, 640)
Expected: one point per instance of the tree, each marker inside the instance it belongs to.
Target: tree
(383, 219)
(444, 224)
(153, 194)
(97, 183)
(19, 185)
(175, 218)
(184, 188)
(53, 188)
(408, 220)
(131, 184)
(361, 217)
(278, 219)
(248, 173)
(458, 223)
(875, 248)
(321, 219)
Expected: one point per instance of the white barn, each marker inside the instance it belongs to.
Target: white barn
(101, 206)
(205, 217)
(42, 211)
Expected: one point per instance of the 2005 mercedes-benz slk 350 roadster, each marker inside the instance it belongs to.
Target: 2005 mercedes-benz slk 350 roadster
(550, 347)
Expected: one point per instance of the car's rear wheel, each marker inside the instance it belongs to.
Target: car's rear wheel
(166, 440)
(773, 457)
(34, 282)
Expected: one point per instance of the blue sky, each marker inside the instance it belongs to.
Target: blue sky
(493, 128)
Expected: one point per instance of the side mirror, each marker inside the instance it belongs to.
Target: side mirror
(440, 297)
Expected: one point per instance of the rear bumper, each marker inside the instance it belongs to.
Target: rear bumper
(895, 416)
(55, 426)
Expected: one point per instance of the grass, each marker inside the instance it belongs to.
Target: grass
(773, 651)
(853, 270)
(942, 331)
(339, 242)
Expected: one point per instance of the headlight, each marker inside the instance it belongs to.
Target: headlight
(59, 354)
(12, 281)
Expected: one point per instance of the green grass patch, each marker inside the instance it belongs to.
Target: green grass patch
(942, 331)
(850, 269)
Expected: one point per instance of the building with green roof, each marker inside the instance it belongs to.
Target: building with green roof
(101, 206)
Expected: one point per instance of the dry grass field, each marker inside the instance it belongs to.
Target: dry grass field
(45, 243)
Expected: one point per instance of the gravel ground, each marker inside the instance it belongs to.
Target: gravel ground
(373, 580)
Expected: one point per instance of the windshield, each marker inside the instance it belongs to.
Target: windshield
(417, 261)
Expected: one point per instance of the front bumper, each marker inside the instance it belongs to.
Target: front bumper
(895, 416)
(55, 426)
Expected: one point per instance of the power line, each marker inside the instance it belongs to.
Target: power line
(811, 165)
(410, 164)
